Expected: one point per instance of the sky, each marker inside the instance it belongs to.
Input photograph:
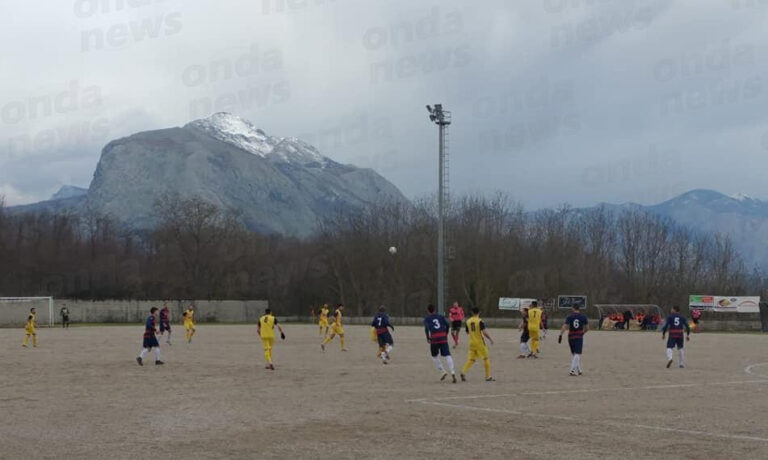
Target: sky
(552, 101)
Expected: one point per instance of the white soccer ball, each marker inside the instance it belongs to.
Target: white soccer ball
(392, 250)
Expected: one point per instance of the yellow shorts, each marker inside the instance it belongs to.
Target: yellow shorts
(188, 325)
(323, 323)
(477, 352)
(267, 342)
(337, 330)
(534, 333)
(30, 331)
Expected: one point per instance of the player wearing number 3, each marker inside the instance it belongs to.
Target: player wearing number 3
(675, 324)
(577, 325)
(436, 329)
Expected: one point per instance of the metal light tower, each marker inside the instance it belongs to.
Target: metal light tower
(442, 119)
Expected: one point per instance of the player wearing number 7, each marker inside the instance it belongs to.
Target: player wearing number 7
(266, 329)
(382, 326)
(577, 325)
(475, 327)
(675, 324)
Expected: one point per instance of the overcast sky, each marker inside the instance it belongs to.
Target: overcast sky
(553, 101)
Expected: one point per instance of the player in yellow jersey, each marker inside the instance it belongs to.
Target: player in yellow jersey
(266, 330)
(30, 328)
(189, 322)
(534, 325)
(475, 327)
(336, 329)
(323, 323)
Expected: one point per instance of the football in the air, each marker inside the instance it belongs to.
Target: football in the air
(392, 250)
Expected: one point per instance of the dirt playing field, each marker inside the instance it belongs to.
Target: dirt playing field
(81, 394)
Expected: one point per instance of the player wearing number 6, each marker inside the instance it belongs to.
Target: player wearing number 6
(675, 324)
(266, 329)
(382, 326)
(577, 325)
(475, 327)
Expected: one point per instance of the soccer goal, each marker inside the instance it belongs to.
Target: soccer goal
(14, 310)
(642, 316)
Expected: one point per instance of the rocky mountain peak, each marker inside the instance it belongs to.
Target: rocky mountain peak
(242, 134)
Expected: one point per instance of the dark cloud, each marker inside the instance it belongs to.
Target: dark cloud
(554, 101)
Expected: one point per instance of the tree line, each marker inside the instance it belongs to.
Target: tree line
(494, 249)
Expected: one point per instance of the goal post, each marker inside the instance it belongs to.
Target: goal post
(643, 316)
(14, 310)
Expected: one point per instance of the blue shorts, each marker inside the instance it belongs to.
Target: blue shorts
(676, 341)
(165, 327)
(441, 349)
(576, 345)
(150, 342)
(525, 336)
(385, 339)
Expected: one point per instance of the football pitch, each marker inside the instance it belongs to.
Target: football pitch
(81, 394)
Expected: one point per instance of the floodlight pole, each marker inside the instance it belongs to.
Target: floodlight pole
(442, 118)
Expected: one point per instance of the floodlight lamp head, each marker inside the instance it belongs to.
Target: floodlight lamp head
(432, 118)
(429, 109)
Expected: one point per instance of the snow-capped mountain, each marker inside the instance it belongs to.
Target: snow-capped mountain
(242, 134)
(279, 185)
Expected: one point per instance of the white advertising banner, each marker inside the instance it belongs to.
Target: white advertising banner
(743, 304)
(514, 303)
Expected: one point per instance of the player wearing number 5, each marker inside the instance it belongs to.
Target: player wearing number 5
(577, 325)
(382, 325)
(675, 324)
(475, 327)
(266, 329)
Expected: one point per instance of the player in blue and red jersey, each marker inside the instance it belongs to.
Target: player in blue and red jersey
(436, 329)
(150, 339)
(577, 325)
(165, 321)
(382, 325)
(525, 350)
(675, 324)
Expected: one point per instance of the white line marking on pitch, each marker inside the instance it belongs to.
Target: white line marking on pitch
(749, 368)
(600, 422)
(591, 390)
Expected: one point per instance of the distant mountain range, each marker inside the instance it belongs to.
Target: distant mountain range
(280, 185)
(286, 186)
(743, 218)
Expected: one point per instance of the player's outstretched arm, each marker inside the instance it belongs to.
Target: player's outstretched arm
(485, 333)
(282, 334)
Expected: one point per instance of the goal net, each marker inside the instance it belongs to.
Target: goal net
(630, 316)
(15, 310)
